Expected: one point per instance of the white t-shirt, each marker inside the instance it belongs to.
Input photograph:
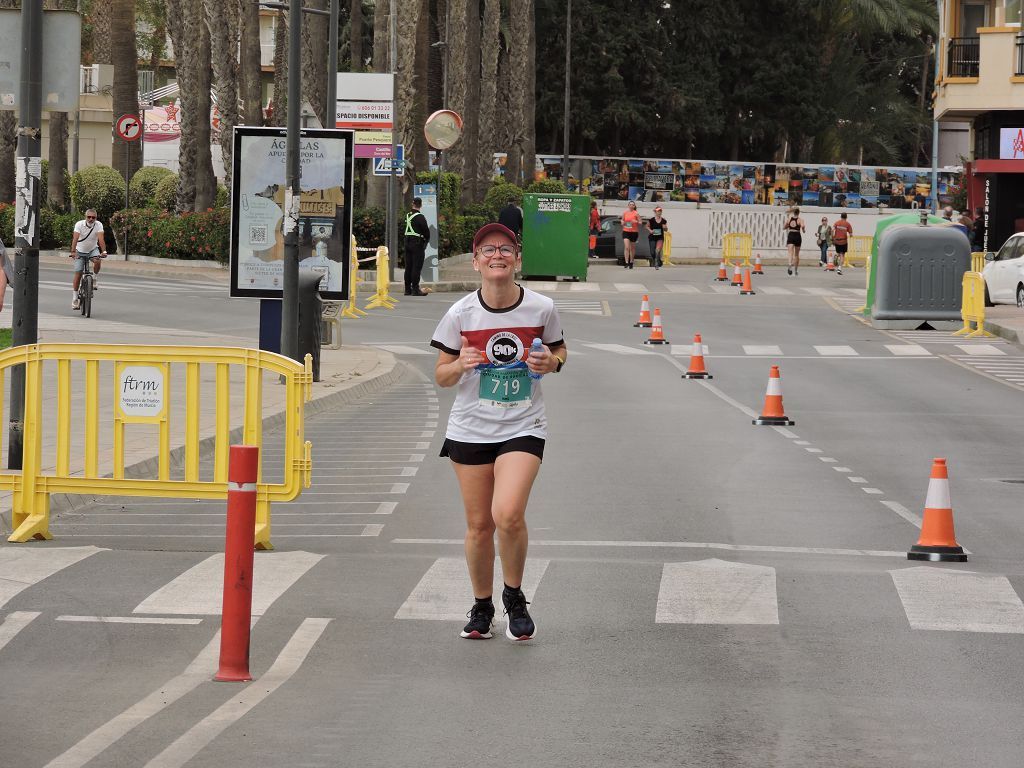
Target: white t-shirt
(503, 336)
(88, 235)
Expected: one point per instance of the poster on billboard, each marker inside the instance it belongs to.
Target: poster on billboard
(258, 200)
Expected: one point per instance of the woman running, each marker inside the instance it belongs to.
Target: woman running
(630, 233)
(794, 227)
(497, 427)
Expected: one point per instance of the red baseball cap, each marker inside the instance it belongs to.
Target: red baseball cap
(494, 226)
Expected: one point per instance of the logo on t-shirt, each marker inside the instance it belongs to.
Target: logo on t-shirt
(503, 348)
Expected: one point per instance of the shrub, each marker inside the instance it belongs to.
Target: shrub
(99, 187)
(143, 185)
(166, 192)
(547, 186)
(499, 195)
(203, 235)
(369, 226)
(55, 228)
(449, 191)
(223, 198)
(457, 234)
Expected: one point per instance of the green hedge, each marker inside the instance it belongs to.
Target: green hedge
(99, 187)
(54, 227)
(500, 194)
(166, 193)
(143, 185)
(152, 232)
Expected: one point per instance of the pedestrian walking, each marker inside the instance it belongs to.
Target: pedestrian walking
(656, 228)
(511, 216)
(417, 233)
(794, 228)
(842, 231)
(823, 236)
(488, 349)
(86, 243)
(630, 233)
(978, 231)
(595, 227)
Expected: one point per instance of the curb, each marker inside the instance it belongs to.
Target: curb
(1010, 334)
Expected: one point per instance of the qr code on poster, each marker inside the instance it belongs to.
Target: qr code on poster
(258, 235)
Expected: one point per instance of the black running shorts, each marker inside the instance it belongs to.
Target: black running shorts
(631, 236)
(842, 247)
(486, 453)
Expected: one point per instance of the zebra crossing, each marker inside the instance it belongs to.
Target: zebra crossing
(548, 286)
(709, 591)
(143, 286)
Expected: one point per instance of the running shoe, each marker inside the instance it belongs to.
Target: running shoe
(789, 270)
(481, 619)
(520, 626)
(76, 304)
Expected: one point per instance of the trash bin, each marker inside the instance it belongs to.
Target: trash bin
(310, 311)
(556, 232)
(919, 277)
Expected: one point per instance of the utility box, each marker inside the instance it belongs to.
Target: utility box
(556, 232)
(919, 277)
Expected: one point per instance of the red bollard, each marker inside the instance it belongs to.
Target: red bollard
(236, 615)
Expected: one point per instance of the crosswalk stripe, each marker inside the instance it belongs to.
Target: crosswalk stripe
(908, 350)
(980, 349)
(818, 291)
(840, 350)
(618, 349)
(631, 287)
(13, 624)
(441, 594)
(772, 290)
(763, 349)
(21, 567)
(682, 288)
(685, 350)
(584, 286)
(726, 289)
(546, 286)
(958, 601)
(400, 349)
(199, 591)
(717, 592)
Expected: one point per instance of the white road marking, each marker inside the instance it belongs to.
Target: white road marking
(802, 442)
(731, 290)
(842, 469)
(873, 491)
(541, 285)
(678, 545)
(717, 592)
(685, 350)
(773, 291)
(819, 291)
(129, 620)
(835, 351)
(21, 567)
(858, 480)
(906, 514)
(619, 349)
(980, 349)
(394, 488)
(682, 288)
(584, 287)
(14, 623)
(828, 459)
(199, 591)
(630, 288)
(441, 594)
(764, 349)
(786, 433)
(189, 744)
(908, 350)
(958, 601)
(813, 450)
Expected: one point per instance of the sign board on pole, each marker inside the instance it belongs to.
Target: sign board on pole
(258, 205)
(383, 166)
(366, 105)
(1011, 143)
(62, 43)
(129, 127)
(428, 194)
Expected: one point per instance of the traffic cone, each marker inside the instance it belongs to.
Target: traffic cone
(757, 265)
(831, 263)
(657, 334)
(736, 278)
(747, 289)
(722, 276)
(773, 415)
(645, 314)
(697, 369)
(938, 540)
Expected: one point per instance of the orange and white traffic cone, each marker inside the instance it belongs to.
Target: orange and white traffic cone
(938, 539)
(831, 263)
(757, 265)
(657, 333)
(737, 279)
(645, 314)
(773, 415)
(722, 276)
(747, 289)
(697, 369)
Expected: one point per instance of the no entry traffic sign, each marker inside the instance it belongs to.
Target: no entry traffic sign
(129, 127)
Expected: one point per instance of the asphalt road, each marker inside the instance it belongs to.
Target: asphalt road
(707, 592)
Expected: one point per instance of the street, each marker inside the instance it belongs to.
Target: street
(707, 592)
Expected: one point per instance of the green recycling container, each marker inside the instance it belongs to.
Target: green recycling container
(555, 235)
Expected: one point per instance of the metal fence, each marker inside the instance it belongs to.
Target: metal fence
(963, 56)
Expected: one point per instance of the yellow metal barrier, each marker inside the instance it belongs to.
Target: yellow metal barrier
(972, 309)
(977, 262)
(352, 311)
(666, 250)
(737, 245)
(381, 297)
(860, 251)
(141, 392)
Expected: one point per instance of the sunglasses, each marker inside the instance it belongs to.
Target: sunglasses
(90, 218)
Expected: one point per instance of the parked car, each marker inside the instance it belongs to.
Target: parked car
(1004, 273)
(609, 242)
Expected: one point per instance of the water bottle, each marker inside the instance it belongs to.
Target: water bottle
(537, 346)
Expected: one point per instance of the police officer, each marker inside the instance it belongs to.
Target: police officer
(417, 233)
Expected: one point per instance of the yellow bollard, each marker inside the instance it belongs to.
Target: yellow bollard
(972, 307)
(352, 311)
(381, 297)
(666, 250)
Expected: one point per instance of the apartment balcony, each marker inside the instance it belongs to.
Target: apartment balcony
(981, 74)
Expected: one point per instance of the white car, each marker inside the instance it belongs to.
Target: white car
(1004, 273)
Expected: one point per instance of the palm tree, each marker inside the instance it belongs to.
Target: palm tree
(127, 155)
(406, 76)
(222, 22)
(8, 139)
(458, 52)
(486, 139)
(249, 69)
(520, 89)
(471, 123)
(280, 114)
(314, 60)
(376, 189)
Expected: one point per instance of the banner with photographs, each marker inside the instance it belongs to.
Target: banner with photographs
(731, 183)
(260, 200)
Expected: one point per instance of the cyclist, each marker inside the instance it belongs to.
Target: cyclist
(495, 440)
(86, 243)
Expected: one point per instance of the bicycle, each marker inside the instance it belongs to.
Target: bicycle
(87, 286)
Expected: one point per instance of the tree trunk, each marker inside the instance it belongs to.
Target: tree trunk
(471, 127)
(280, 97)
(486, 141)
(249, 69)
(503, 132)
(454, 158)
(406, 76)
(206, 180)
(416, 156)
(222, 25)
(519, 72)
(530, 95)
(355, 43)
(314, 60)
(56, 191)
(127, 155)
(100, 17)
(376, 187)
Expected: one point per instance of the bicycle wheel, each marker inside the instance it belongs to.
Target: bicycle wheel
(86, 295)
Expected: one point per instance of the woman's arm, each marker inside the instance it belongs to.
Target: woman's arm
(547, 360)
(450, 368)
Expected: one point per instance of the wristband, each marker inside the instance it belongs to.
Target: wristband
(560, 360)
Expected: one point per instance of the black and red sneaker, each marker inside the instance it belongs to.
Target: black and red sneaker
(481, 620)
(520, 626)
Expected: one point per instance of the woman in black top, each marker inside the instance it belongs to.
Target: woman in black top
(656, 228)
(794, 227)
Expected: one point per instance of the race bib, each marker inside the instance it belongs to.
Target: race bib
(505, 387)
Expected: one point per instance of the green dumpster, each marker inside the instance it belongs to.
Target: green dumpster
(555, 235)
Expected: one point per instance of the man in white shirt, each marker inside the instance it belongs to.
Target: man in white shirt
(86, 243)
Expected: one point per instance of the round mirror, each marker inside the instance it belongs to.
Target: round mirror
(443, 129)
